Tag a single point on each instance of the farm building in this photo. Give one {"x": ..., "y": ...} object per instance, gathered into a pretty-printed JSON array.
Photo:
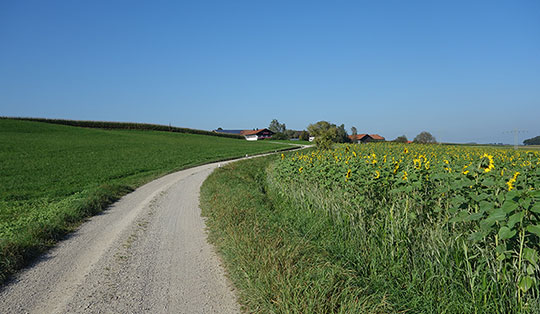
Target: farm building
[
  {"x": 366, "y": 138},
  {"x": 250, "y": 135},
  {"x": 377, "y": 137}
]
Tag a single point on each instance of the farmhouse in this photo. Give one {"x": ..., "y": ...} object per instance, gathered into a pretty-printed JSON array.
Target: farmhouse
[
  {"x": 366, "y": 138},
  {"x": 250, "y": 135}
]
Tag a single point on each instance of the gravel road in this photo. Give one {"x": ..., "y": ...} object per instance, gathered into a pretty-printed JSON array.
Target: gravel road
[{"x": 148, "y": 253}]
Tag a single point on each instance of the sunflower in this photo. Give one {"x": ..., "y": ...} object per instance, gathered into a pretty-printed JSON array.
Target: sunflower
[
  {"x": 511, "y": 182},
  {"x": 490, "y": 164},
  {"x": 404, "y": 178}
]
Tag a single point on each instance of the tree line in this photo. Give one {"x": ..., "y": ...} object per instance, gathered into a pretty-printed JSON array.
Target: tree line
[
  {"x": 327, "y": 133},
  {"x": 532, "y": 141}
]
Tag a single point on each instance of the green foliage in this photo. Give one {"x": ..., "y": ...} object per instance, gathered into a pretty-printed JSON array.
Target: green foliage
[
  {"x": 280, "y": 260},
  {"x": 532, "y": 141},
  {"x": 279, "y": 136},
  {"x": 324, "y": 141},
  {"x": 52, "y": 176},
  {"x": 382, "y": 228},
  {"x": 277, "y": 127},
  {"x": 327, "y": 133},
  {"x": 425, "y": 138},
  {"x": 401, "y": 139},
  {"x": 304, "y": 136},
  {"x": 441, "y": 229}
]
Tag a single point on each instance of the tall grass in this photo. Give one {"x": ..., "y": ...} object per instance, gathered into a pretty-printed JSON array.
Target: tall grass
[
  {"x": 451, "y": 240},
  {"x": 277, "y": 256},
  {"x": 296, "y": 243}
]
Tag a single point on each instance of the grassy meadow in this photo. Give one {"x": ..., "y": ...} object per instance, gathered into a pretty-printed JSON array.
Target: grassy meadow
[
  {"x": 381, "y": 228},
  {"x": 53, "y": 176},
  {"x": 298, "y": 142}
]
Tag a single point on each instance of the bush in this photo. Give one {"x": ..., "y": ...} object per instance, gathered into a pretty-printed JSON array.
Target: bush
[{"x": 279, "y": 136}]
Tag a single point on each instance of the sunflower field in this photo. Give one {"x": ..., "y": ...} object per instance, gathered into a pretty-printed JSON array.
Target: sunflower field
[{"x": 453, "y": 226}]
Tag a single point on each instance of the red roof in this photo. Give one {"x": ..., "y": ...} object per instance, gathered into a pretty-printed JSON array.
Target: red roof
[
  {"x": 252, "y": 132},
  {"x": 360, "y": 137},
  {"x": 377, "y": 137},
  {"x": 357, "y": 136}
]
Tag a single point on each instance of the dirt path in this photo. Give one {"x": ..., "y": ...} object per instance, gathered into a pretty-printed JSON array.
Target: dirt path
[{"x": 147, "y": 254}]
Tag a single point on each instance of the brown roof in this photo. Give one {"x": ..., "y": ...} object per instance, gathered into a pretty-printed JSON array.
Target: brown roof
[
  {"x": 376, "y": 137},
  {"x": 252, "y": 132},
  {"x": 357, "y": 136}
]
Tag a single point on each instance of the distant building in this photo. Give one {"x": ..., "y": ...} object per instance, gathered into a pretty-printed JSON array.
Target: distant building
[
  {"x": 377, "y": 137},
  {"x": 366, "y": 138},
  {"x": 250, "y": 135}
]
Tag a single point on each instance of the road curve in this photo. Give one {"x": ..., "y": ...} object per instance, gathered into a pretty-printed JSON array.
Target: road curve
[{"x": 148, "y": 253}]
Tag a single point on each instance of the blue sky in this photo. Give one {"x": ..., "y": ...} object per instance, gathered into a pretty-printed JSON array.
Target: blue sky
[{"x": 463, "y": 70}]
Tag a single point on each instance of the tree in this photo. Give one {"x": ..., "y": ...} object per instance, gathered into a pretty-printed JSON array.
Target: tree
[
  {"x": 327, "y": 133},
  {"x": 279, "y": 136},
  {"x": 401, "y": 139},
  {"x": 317, "y": 129},
  {"x": 277, "y": 127},
  {"x": 532, "y": 141},
  {"x": 304, "y": 136},
  {"x": 354, "y": 132},
  {"x": 290, "y": 134},
  {"x": 342, "y": 136},
  {"x": 425, "y": 138}
]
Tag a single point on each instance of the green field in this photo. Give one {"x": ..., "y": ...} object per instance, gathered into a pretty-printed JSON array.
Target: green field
[
  {"x": 381, "y": 228},
  {"x": 530, "y": 147},
  {"x": 299, "y": 142},
  {"x": 52, "y": 176}
]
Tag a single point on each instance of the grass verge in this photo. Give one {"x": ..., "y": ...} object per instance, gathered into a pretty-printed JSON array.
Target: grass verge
[{"x": 276, "y": 256}]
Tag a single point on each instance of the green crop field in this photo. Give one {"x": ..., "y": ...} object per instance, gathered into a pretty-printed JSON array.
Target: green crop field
[
  {"x": 381, "y": 228},
  {"x": 52, "y": 176}
]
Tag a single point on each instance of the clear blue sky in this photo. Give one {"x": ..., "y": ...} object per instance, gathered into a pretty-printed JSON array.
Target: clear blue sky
[{"x": 463, "y": 70}]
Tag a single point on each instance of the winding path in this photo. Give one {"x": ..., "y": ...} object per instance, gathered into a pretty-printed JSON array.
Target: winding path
[{"x": 148, "y": 253}]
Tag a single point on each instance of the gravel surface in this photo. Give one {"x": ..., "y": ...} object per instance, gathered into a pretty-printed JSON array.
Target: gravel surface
[{"x": 148, "y": 253}]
